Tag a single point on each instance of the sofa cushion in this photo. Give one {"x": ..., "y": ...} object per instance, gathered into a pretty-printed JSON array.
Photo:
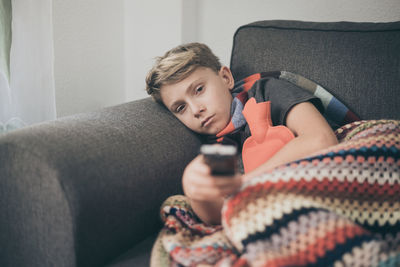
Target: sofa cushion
[{"x": 359, "y": 63}]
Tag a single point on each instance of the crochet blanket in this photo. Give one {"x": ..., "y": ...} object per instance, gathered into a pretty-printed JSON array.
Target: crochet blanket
[{"x": 338, "y": 207}]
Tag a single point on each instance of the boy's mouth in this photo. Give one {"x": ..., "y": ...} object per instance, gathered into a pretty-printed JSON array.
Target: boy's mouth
[{"x": 207, "y": 121}]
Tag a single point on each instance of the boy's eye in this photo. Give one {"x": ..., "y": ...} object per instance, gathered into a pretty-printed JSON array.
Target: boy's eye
[
  {"x": 180, "y": 108},
  {"x": 199, "y": 89}
]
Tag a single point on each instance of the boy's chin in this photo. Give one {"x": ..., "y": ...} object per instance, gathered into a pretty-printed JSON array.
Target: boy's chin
[
  {"x": 208, "y": 133},
  {"x": 214, "y": 131},
  {"x": 211, "y": 131}
]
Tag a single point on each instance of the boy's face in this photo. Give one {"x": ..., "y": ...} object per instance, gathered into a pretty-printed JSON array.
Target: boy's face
[{"x": 202, "y": 101}]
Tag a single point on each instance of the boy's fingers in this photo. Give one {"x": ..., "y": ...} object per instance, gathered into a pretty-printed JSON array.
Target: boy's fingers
[
  {"x": 216, "y": 181},
  {"x": 209, "y": 194},
  {"x": 199, "y": 166},
  {"x": 222, "y": 181},
  {"x": 201, "y": 169},
  {"x": 203, "y": 193},
  {"x": 209, "y": 190}
]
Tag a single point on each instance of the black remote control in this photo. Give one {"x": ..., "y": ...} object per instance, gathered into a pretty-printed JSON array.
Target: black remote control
[{"x": 222, "y": 159}]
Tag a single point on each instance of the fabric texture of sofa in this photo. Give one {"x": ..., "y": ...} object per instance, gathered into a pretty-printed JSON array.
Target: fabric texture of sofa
[{"x": 85, "y": 190}]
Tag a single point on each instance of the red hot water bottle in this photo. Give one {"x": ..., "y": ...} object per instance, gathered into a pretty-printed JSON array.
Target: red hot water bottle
[{"x": 265, "y": 139}]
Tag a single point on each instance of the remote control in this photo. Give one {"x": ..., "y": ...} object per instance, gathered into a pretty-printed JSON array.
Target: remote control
[{"x": 222, "y": 159}]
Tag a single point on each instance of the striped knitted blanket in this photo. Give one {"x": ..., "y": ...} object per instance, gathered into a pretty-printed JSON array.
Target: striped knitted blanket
[{"x": 338, "y": 207}]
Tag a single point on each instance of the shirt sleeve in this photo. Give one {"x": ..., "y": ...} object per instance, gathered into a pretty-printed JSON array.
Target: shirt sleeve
[{"x": 283, "y": 96}]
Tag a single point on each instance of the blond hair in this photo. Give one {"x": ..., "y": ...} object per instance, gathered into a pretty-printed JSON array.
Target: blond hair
[{"x": 177, "y": 64}]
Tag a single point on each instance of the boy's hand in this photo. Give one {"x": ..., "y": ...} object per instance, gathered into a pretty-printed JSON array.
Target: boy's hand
[{"x": 198, "y": 183}]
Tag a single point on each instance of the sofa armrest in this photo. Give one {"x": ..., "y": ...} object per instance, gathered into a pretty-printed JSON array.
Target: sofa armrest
[{"x": 80, "y": 190}]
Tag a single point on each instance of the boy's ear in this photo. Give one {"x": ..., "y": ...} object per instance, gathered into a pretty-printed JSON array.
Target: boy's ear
[{"x": 227, "y": 76}]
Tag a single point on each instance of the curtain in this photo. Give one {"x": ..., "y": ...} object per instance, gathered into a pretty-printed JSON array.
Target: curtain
[
  {"x": 5, "y": 45},
  {"x": 27, "y": 93}
]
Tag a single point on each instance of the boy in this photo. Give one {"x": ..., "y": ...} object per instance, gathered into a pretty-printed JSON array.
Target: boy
[{"x": 190, "y": 82}]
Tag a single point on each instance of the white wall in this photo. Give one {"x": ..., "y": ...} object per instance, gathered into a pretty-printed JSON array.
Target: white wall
[
  {"x": 88, "y": 54},
  {"x": 151, "y": 28},
  {"x": 103, "y": 49}
]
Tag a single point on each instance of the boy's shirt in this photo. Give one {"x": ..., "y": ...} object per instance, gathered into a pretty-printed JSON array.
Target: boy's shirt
[{"x": 282, "y": 96}]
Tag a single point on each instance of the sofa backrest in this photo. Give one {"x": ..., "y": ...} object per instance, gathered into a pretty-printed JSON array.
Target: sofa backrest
[{"x": 359, "y": 63}]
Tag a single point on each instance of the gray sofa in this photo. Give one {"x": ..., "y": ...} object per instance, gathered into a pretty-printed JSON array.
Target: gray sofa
[{"x": 85, "y": 190}]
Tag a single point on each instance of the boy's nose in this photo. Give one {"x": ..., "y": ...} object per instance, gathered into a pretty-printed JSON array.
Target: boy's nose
[{"x": 198, "y": 109}]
